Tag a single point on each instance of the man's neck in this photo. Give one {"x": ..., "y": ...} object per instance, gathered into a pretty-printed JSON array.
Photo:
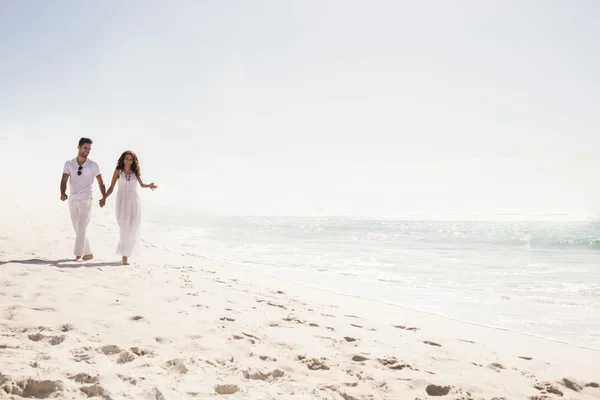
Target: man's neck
[{"x": 81, "y": 160}]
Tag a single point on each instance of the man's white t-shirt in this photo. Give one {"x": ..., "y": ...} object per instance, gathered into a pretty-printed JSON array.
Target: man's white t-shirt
[{"x": 81, "y": 185}]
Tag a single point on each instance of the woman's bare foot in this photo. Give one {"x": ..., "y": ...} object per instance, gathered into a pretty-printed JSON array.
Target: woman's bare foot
[
  {"x": 125, "y": 261},
  {"x": 88, "y": 257}
]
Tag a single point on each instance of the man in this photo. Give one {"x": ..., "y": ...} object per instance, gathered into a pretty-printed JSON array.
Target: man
[{"x": 81, "y": 171}]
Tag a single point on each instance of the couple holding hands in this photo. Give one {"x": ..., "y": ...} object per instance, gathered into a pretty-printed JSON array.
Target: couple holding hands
[{"x": 80, "y": 173}]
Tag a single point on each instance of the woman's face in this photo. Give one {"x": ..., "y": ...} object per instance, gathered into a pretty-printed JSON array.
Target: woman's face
[{"x": 128, "y": 160}]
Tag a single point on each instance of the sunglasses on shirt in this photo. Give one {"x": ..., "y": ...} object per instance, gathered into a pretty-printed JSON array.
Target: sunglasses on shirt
[{"x": 79, "y": 170}]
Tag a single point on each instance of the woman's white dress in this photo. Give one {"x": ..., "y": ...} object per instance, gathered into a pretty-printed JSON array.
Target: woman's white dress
[{"x": 129, "y": 215}]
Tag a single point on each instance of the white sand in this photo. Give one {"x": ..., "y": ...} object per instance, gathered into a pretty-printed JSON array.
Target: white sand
[{"x": 173, "y": 327}]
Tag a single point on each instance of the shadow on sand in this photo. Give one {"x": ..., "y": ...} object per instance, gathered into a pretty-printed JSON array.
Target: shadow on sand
[{"x": 64, "y": 263}]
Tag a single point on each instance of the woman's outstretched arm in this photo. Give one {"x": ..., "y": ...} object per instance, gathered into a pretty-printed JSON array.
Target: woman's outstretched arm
[{"x": 143, "y": 185}]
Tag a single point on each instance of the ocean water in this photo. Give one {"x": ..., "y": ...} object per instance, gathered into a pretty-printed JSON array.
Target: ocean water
[{"x": 540, "y": 277}]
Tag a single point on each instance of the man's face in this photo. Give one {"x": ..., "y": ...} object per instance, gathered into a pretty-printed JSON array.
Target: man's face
[{"x": 84, "y": 150}]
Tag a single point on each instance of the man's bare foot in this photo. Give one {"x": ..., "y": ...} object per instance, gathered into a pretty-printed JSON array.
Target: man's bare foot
[
  {"x": 125, "y": 261},
  {"x": 78, "y": 259},
  {"x": 88, "y": 257}
]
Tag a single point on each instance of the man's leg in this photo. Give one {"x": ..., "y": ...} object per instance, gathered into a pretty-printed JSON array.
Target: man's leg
[
  {"x": 74, "y": 211},
  {"x": 85, "y": 213},
  {"x": 80, "y": 216}
]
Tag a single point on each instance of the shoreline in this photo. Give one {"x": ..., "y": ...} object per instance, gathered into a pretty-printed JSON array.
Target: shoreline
[
  {"x": 383, "y": 302},
  {"x": 266, "y": 272}
]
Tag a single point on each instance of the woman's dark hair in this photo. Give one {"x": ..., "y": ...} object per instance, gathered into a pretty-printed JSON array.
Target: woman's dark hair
[{"x": 135, "y": 165}]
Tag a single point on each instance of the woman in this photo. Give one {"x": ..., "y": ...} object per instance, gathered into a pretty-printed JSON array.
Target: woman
[{"x": 128, "y": 208}]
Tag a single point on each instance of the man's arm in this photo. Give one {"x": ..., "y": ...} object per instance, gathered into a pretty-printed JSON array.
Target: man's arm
[
  {"x": 63, "y": 186},
  {"x": 101, "y": 184}
]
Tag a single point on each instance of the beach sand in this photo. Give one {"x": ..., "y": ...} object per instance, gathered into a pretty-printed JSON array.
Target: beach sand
[{"x": 171, "y": 326}]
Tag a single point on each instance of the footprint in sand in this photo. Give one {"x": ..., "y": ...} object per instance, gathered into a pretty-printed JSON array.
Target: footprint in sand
[
  {"x": 125, "y": 356},
  {"x": 571, "y": 384},
  {"x": 405, "y": 328},
  {"x": 526, "y": 374},
  {"x": 344, "y": 395},
  {"x": 251, "y": 337},
  {"x": 496, "y": 366},
  {"x": 32, "y": 388},
  {"x": 226, "y": 389},
  {"x": 393, "y": 363},
  {"x": 140, "y": 352},
  {"x": 263, "y": 376},
  {"x": 548, "y": 387},
  {"x": 432, "y": 343},
  {"x": 95, "y": 390},
  {"x": 11, "y": 312},
  {"x": 221, "y": 361},
  {"x": 82, "y": 354},
  {"x": 36, "y": 337},
  {"x": 269, "y": 303},
  {"x": 177, "y": 365},
  {"x": 360, "y": 375},
  {"x": 44, "y": 309},
  {"x": 84, "y": 378},
  {"x": 158, "y": 394},
  {"x": 129, "y": 379},
  {"x": 267, "y": 358},
  {"x": 110, "y": 349},
  {"x": 294, "y": 319},
  {"x": 313, "y": 363},
  {"x": 53, "y": 340},
  {"x": 436, "y": 390}
]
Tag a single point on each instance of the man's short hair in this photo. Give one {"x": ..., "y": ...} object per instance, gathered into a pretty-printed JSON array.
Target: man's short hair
[{"x": 84, "y": 140}]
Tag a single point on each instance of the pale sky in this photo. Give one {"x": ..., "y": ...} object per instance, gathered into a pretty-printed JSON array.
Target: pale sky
[{"x": 267, "y": 106}]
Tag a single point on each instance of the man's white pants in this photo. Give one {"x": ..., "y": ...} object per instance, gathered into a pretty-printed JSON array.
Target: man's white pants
[{"x": 81, "y": 211}]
